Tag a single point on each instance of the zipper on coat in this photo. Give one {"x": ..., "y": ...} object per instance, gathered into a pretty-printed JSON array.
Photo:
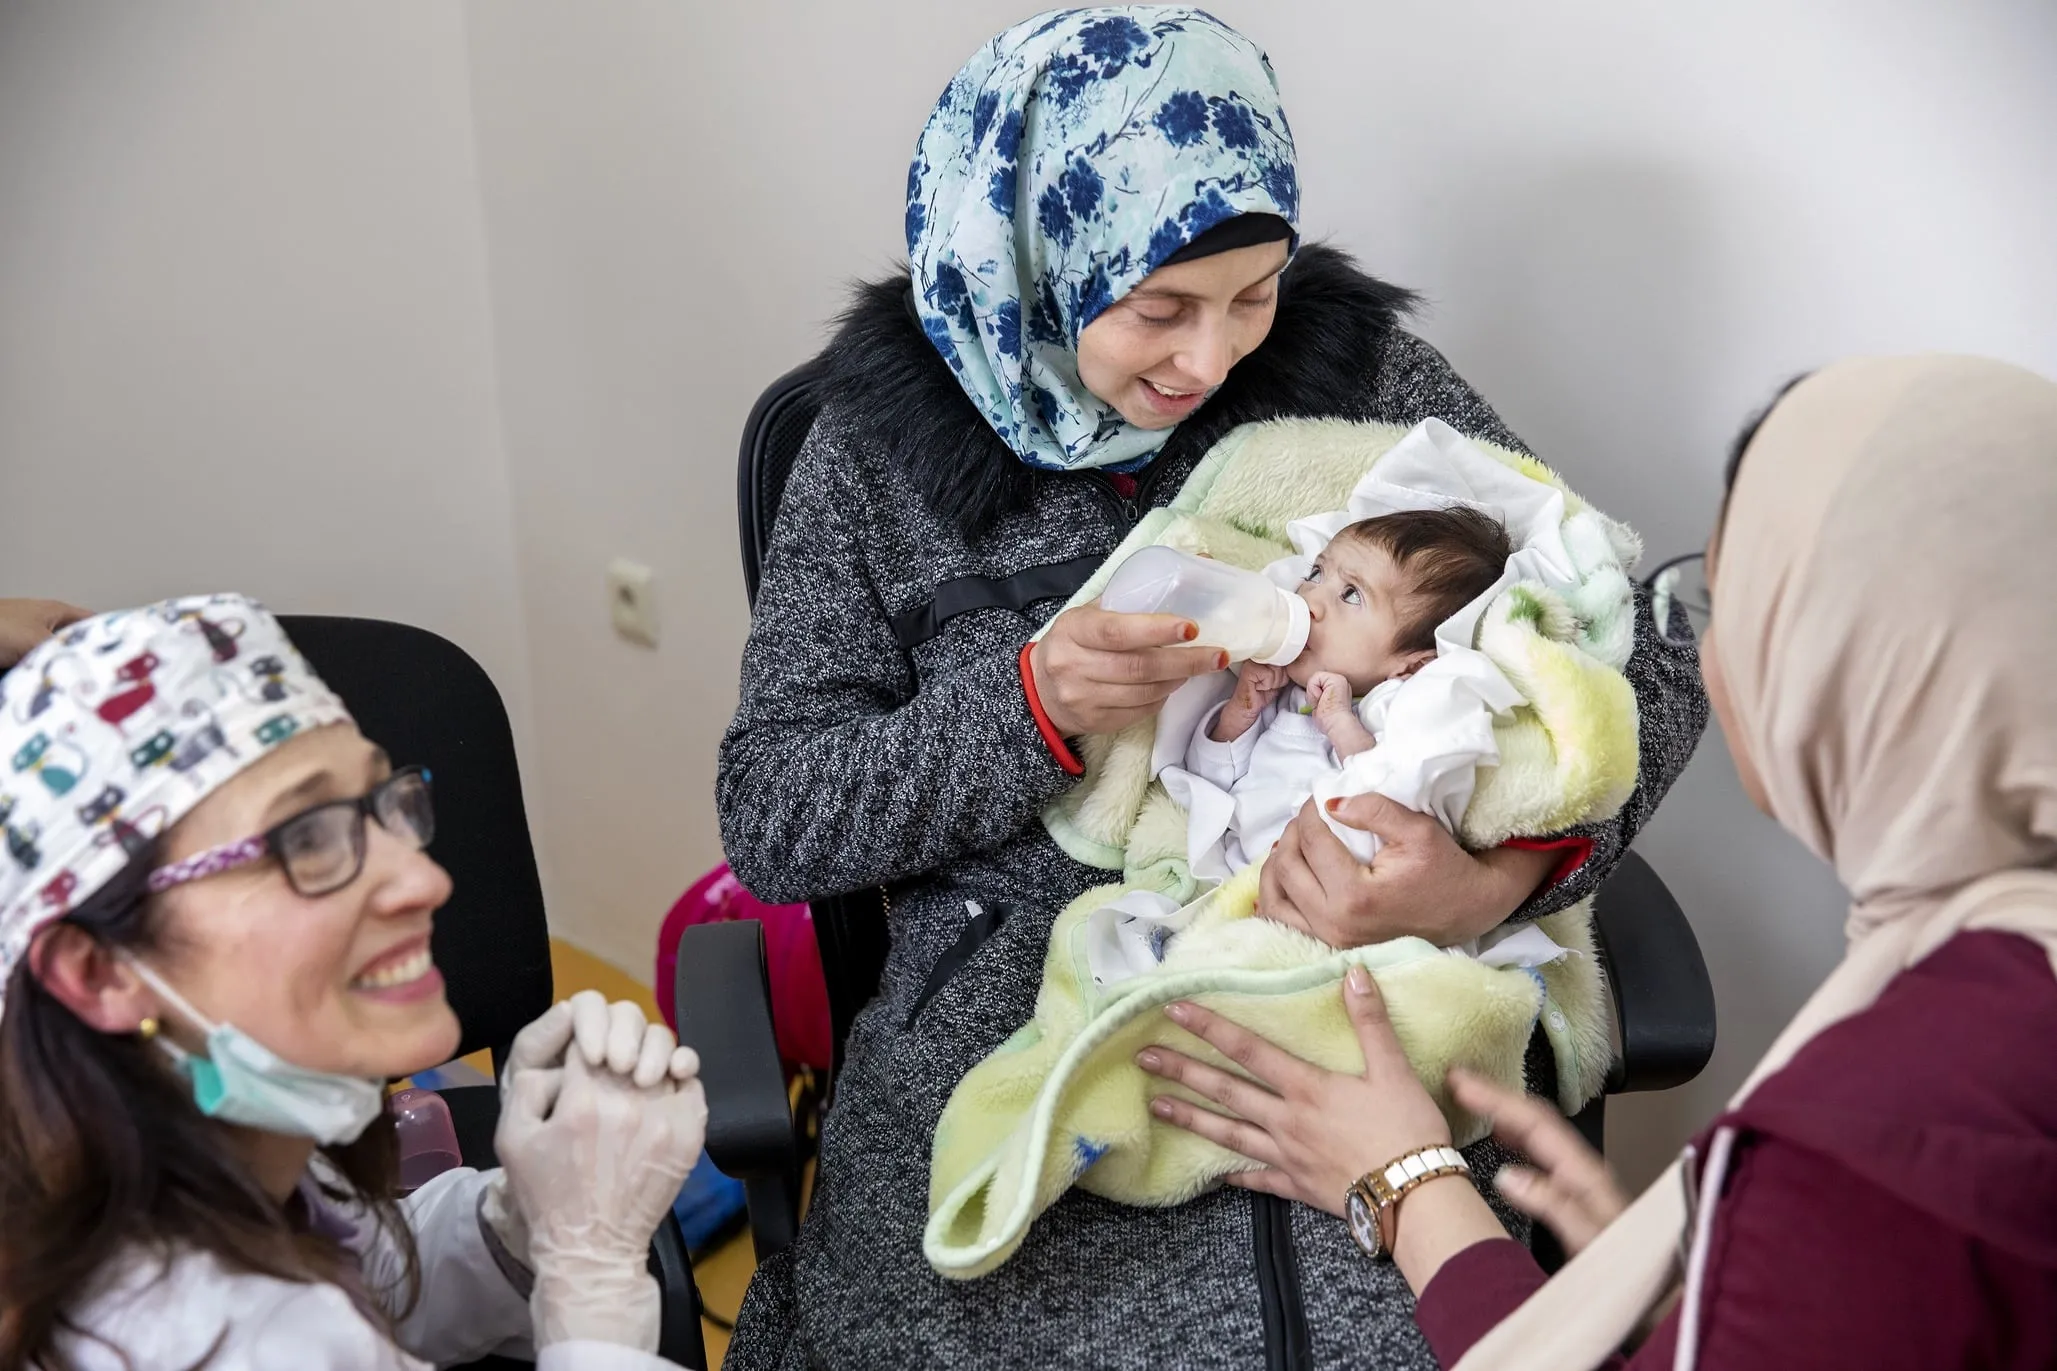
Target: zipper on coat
[
  {"x": 1146, "y": 482},
  {"x": 1129, "y": 507},
  {"x": 1132, "y": 508},
  {"x": 1278, "y": 1285}
]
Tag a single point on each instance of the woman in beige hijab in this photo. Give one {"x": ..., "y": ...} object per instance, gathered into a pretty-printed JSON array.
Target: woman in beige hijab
[{"x": 1882, "y": 1192}]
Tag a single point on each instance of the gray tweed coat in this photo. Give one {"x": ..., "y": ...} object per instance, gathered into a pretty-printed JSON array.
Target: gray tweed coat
[{"x": 883, "y": 740}]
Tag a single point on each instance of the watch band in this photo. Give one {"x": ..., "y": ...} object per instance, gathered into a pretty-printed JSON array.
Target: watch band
[{"x": 1371, "y": 1204}]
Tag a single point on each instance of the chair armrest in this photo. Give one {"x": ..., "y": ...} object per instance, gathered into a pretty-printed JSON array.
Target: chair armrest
[
  {"x": 723, "y": 1001},
  {"x": 1663, "y": 1000},
  {"x": 679, "y": 1337}
]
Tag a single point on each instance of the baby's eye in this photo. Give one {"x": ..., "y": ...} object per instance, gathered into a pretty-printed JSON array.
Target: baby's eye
[
  {"x": 1352, "y": 596},
  {"x": 1313, "y": 575}
]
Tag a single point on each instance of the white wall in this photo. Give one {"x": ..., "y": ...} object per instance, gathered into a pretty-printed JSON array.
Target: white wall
[
  {"x": 245, "y": 241},
  {"x": 245, "y": 341},
  {"x": 675, "y": 197}
]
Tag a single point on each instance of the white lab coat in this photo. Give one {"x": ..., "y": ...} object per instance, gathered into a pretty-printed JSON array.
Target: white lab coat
[{"x": 170, "y": 1315}]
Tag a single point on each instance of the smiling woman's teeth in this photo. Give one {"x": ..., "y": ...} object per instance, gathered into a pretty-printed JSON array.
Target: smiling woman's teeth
[
  {"x": 1167, "y": 393},
  {"x": 399, "y": 973}
]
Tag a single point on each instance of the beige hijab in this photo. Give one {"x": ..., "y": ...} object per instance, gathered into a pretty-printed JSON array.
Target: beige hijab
[{"x": 1885, "y": 611}]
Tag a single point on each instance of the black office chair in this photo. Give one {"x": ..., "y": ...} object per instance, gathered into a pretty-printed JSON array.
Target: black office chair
[
  {"x": 424, "y": 700},
  {"x": 1663, "y": 1000}
]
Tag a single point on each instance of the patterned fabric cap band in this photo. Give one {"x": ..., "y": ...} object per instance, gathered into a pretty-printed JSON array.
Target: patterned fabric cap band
[
  {"x": 116, "y": 728},
  {"x": 1071, "y": 157}
]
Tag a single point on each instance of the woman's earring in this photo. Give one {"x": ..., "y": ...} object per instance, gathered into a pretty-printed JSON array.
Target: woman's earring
[{"x": 147, "y": 1029}]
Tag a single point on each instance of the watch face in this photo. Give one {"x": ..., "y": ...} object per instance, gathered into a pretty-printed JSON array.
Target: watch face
[{"x": 1363, "y": 1222}]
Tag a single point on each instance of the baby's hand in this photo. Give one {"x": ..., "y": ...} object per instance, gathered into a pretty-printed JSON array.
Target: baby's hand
[
  {"x": 1259, "y": 684},
  {"x": 1328, "y": 695},
  {"x": 1256, "y": 687}
]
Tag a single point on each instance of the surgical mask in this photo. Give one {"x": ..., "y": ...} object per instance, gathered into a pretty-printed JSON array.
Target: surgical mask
[{"x": 242, "y": 1081}]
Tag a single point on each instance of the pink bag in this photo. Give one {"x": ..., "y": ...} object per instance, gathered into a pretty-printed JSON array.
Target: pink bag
[{"x": 799, "y": 994}]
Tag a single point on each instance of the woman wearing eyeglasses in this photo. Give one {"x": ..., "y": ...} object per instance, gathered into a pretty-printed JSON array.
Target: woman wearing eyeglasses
[
  {"x": 1881, "y": 650},
  {"x": 214, "y": 953}
]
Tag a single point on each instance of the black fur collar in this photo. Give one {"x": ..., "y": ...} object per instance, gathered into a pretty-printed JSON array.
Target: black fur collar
[{"x": 1318, "y": 361}]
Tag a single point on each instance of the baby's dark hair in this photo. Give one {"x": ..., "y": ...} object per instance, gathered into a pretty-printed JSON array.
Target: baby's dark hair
[{"x": 1451, "y": 556}]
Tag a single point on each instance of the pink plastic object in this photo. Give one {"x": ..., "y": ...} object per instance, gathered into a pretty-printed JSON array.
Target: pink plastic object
[
  {"x": 428, "y": 1139},
  {"x": 799, "y": 995}
]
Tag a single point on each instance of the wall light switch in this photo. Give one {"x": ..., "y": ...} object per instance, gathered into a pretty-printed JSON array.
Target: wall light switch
[{"x": 632, "y": 602}]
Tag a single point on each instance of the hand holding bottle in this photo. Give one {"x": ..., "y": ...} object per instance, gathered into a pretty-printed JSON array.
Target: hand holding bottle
[
  {"x": 1098, "y": 672},
  {"x": 1103, "y": 667}
]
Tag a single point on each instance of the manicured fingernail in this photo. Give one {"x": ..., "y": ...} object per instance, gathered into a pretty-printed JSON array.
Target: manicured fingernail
[
  {"x": 1189, "y": 632},
  {"x": 1359, "y": 981},
  {"x": 1509, "y": 1181},
  {"x": 1148, "y": 1059},
  {"x": 1161, "y": 1108},
  {"x": 1334, "y": 806},
  {"x": 1221, "y": 662},
  {"x": 1179, "y": 1012}
]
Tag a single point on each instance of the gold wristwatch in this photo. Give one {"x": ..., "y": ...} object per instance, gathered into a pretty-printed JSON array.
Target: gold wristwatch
[{"x": 1370, "y": 1204}]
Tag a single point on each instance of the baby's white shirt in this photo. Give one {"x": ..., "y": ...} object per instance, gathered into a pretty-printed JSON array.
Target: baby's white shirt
[{"x": 1240, "y": 795}]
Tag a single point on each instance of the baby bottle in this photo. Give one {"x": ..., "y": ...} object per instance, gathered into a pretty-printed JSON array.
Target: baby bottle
[{"x": 1237, "y": 610}]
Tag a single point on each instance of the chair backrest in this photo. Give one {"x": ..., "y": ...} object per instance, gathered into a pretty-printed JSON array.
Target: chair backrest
[
  {"x": 851, "y": 929},
  {"x": 772, "y": 438},
  {"x": 423, "y": 699}
]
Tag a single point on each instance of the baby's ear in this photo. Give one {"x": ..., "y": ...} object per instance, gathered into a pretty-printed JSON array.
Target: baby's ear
[{"x": 1415, "y": 661}]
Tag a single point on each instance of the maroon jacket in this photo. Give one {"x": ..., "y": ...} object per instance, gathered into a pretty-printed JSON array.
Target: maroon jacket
[{"x": 1893, "y": 1197}]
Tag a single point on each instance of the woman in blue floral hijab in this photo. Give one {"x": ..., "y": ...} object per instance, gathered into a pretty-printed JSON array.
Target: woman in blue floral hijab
[
  {"x": 1074, "y": 155},
  {"x": 1105, "y": 277}
]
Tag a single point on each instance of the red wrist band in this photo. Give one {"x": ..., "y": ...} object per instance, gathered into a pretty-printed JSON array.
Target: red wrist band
[
  {"x": 1052, "y": 739},
  {"x": 1573, "y": 853}
]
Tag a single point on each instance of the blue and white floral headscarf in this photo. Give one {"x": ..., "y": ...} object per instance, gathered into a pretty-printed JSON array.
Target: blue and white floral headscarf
[{"x": 1067, "y": 160}]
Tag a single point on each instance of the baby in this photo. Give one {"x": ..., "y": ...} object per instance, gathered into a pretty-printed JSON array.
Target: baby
[{"x": 1375, "y": 597}]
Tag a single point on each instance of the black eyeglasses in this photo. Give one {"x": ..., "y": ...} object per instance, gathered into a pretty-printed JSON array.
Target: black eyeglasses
[
  {"x": 1680, "y": 599},
  {"x": 321, "y": 849}
]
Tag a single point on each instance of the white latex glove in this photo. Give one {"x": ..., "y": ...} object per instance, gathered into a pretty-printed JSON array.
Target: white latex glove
[
  {"x": 617, "y": 1037},
  {"x": 593, "y": 1162},
  {"x": 604, "y": 1033},
  {"x": 540, "y": 1046}
]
